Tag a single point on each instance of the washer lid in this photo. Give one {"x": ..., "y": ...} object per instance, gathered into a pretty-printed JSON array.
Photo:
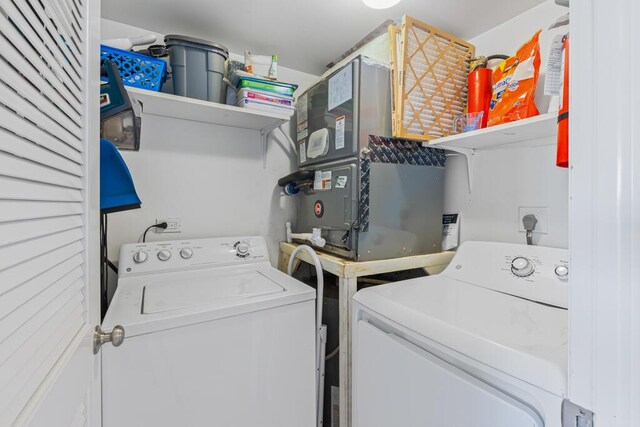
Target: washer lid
[
  {"x": 525, "y": 339},
  {"x": 166, "y": 295},
  {"x": 150, "y": 303}
]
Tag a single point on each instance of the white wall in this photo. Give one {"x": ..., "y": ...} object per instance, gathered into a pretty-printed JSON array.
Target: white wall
[
  {"x": 113, "y": 29},
  {"x": 507, "y": 178},
  {"x": 211, "y": 177}
]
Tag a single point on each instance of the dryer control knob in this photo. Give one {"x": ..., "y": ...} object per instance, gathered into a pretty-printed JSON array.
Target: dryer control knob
[
  {"x": 522, "y": 267},
  {"x": 140, "y": 257},
  {"x": 562, "y": 271},
  {"x": 164, "y": 254},
  {"x": 242, "y": 249},
  {"x": 186, "y": 253}
]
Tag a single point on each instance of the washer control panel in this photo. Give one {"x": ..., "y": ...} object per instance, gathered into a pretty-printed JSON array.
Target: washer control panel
[
  {"x": 242, "y": 248},
  {"x": 522, "y": 267},
  {"x": 154, "y": 257},
  {"x": 535, "y": 273}
]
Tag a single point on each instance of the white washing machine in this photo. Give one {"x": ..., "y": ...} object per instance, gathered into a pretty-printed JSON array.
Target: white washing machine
[
  {"x": 215, "y": 336},
  {"x": 483, "y": 344}
]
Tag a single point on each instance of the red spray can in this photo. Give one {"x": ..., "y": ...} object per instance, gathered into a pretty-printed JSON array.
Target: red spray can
[
  {"x": 480, "y": 90},
  {"x": 480, "y": 81}
]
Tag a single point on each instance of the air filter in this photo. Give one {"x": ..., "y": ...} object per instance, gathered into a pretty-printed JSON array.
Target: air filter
[{"x": 429, "y": 79}]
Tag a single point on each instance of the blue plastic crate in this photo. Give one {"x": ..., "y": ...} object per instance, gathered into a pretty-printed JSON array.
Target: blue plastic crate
[{"x": 136, "y": 70}]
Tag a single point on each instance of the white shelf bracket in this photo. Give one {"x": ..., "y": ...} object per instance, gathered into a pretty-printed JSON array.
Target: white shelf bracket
[
  {"x": 469, "y": 154},
  {"x": 264, "y": 136}
]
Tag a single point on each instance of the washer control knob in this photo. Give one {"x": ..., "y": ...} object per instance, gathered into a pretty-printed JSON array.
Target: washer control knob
[
  {"x": 522, "y": 267},
  {"x": 242, "y": 249},
  {"x": 164, "y": 254},
  {"x": 562, "y": 271},
  {"x": 186, "y": 253},
  {"x": 140, "y": 257}
]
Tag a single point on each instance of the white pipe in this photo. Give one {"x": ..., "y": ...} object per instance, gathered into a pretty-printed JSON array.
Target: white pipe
[
  {"x": 288, "y": 138},
  {"x": 323, "y": 351},
  {"x": 315, "y": 237},
  {"x": 320, "y": 336}
]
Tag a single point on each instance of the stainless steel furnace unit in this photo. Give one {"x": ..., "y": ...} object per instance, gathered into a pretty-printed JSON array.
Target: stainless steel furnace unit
[{"x": 373, "y": 196}]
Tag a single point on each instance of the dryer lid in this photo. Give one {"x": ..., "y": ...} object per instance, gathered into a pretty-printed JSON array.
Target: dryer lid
[
  {"x": 522, "y": 338},
  {"x": 167, "y": 295}
]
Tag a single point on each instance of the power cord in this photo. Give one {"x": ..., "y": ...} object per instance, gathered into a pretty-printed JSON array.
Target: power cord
[
  {"x": 162, "y": 225},
  {"x": 112, "y": 265}
]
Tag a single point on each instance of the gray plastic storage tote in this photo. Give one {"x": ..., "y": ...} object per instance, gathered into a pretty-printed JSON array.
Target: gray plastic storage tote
[{"x": 197, "y": 67}]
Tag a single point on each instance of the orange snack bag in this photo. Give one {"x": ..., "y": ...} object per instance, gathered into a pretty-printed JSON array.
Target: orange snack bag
[{"x": 514, "y": 87}]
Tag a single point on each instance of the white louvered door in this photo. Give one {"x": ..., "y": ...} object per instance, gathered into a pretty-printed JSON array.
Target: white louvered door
[{"x": 49, "y": 212}]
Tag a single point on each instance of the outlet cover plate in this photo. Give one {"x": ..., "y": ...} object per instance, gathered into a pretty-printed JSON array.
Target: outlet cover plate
[
  {"x": 174, "y": 225},
  {"x": 541, "y": 212}
]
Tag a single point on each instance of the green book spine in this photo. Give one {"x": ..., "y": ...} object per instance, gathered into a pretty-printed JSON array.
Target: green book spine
[{"x": 265, "y": 86}]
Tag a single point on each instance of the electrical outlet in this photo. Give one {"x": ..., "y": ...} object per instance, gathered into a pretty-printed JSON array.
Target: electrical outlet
[
  {"x": 541, "y": 214},
  {"x": 173, "y": 225}
]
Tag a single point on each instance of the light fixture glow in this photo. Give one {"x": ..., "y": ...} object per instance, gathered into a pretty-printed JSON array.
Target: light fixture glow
[{"x": 380, "y": 4}]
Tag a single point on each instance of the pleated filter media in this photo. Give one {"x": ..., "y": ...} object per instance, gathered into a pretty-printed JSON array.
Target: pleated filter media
[{"x": 429, "y": 72}]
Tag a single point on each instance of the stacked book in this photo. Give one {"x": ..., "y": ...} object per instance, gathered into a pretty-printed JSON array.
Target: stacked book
[{"x": 266, "y": 95}]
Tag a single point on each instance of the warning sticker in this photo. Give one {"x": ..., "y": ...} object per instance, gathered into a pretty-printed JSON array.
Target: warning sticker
[
  {"x": 553, "y": 77},
  {"x": 341, "y": 181},
  {"x": 340, "y": 121},
  {"x": 322, "y": 180},
  {"x": 450, "y": 230},
  {"x": 303, "y": 152},
  {"x": 302, "y": 134},
  {"x": 340, "y": 87},
  {"x": 301, "y": 109}
]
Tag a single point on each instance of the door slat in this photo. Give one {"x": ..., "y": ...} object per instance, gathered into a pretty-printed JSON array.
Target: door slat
[
  {"x": 23, "y": 87},
  {"x": 20, "y": 210},
  {"x": 27, "y": 110},
  {"x": 12, "y": 278},
  {"x": 13, "y": 233},
  {"x": 26, "y": 129},
  {"x": 32, "y": 370},
  {"x": 44, "y": 79},
  {"x": 13, "y": 299},
  {"x": 52, "y": 28},
  {"x": 21, "y": 190},
  {"x": 35, "y": 49},
  {"x": 16, "y": 167},
  {"x": 21, "y": 18},
  {"x": 13, "y": 144},
  {"x": 23, "y": 251}
]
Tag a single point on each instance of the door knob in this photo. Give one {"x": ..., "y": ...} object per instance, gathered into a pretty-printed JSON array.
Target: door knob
[{"x": 116, "y": 337}]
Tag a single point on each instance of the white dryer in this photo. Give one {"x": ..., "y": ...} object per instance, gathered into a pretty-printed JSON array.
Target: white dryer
[
  {"x": 214, "y": 335},
  {"x": 483, "y": 344}
]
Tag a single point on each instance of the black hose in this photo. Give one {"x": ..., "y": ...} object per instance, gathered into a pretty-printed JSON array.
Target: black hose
[{"x": 492, "y": 57}]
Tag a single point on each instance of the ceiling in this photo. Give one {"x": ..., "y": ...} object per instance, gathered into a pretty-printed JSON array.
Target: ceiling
[{"x": 305, "y": 34}]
